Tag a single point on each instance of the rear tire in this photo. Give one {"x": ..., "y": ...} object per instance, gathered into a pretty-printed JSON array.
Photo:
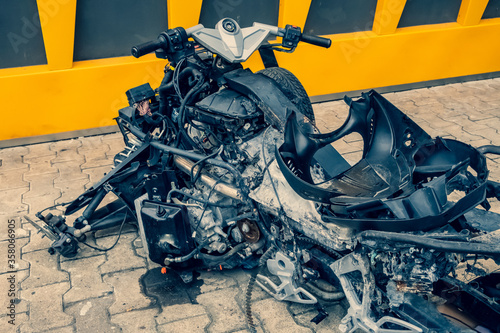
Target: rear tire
[{"x": 291, "y": 87}]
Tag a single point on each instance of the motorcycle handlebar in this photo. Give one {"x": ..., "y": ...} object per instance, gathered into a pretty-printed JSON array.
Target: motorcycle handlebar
[
  {"x": 145, "y": 48},
  {"x": 316, "y": 40}
]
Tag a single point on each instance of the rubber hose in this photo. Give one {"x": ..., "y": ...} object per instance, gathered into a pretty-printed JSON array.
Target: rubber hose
[
  {"x": 225, "y": 256},
  {"x": 187, "y": 256},
  {"x": 324, "y": 295}
]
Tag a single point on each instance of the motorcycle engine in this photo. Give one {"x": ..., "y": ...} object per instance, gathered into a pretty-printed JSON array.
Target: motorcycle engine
[{"x": 225, "y": 118}]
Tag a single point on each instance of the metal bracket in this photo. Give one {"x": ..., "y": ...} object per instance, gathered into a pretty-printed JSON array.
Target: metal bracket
[
  {"x": 284, "y": 268},
  {"x": 359, "y": 314}
]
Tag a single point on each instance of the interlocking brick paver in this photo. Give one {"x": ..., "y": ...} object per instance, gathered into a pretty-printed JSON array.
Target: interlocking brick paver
[
  {"x": 96, "y": 174},
  {"x": 127, "y": 291},
  {"x": 12, "y": 158},
  {"x": 122, "y": 257},
  {"x": 86, "y": 281},
  {"x": 91, "y": 143},
  {"x": 178, "y": 312},
  {"x": 10, "y": 285},
  {"x": 96, "y": 160},
  {"x": 469, "y": 125},
  {"x": 38, "y": 203},
  {"x": 215, "y": 280},
  {"x": 70, "y": 190},
  {"x": 12, "y": 179},
  {"x": 275, "y": 317},
  {"x": 39, "y": 152},
  {"x": 11, "y": 202},
  {"x": 193, "y": 324},
  {"x": 66, "y": 151},
  {"x": 42, "y": 192},
  {"x": 19, "y": 264},
  {"x": 46, "y": 307},
  {"x": 242, "y": 277},
  {"x": 115, "y": 143},
  {"x": 223, "y": 309},
  {"x": 69, "y": 171},
  {"x": 39, "y": 161},
  {"x": 91, "y": 315},
  {"x": 18, "y": 323},
  {"x": 330, "y": 324},
  {"x": 44, "y": 270},
  {"x": 12, "y": 223},
  {"x": 137, "y": 321}
]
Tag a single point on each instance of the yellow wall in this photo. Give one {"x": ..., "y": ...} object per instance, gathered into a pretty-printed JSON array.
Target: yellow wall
[{"x": 66, "y": 96}]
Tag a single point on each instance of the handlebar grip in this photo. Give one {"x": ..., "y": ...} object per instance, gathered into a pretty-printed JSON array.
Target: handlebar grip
[
  {"x": 316, "y": 40},
  {"x": 145, "y": 48}
]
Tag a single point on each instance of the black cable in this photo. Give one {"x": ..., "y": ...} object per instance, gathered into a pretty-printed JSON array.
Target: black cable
[
  {"x": 204, "y": 129},
  {"x": 460, "y": 321},
  {"x": 182, "y": 110},
  {"x": 56, "y": 205},
  {"x": 116, "y": 241},
  {"x": 194, "y": 178}
]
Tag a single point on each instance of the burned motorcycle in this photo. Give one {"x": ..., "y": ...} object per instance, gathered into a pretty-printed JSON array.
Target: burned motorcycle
[{"x": 225, "y": 168}]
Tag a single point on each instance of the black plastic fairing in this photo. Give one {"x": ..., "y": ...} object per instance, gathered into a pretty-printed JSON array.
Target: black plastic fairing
[{"x": 401, "y": 182}]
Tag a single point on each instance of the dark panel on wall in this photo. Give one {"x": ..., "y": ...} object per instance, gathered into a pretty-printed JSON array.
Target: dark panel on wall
[
  {"x": 21, "y": 40},
  {"x": 340, "y": 16},
  {"x": 110, "y": 28},
  {"x": 245, "y": 12},
  {"x": 421, "y": 12},
  {"x": 492, "y": 9}
]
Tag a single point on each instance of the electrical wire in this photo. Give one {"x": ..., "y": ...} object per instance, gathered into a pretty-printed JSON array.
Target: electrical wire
[
  {"x": 194, "y": 177},
  {"x": 176, "y": 77},
  {"x": 56, "y": 205},
  {"x": 116, "y": 241}
]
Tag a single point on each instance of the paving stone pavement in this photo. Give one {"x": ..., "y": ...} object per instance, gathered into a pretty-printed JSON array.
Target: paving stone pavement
[{"x": 103, "y": 292}]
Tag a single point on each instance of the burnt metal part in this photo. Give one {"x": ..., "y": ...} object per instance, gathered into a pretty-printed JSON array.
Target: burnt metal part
[
  {"x": 420, "y": 312},
  {"x": 477, "y": 294},
  {"x": 480, "y": 298},
  {"x": 249, "y": 229},
  {"x": 227, "y": 103},
  {"x": 284, "y": 268},
  {"x": 265, "y": 90},
  {"x": 359, "y": 314},
  {"x": 187, "y": 154},
  {"x": 381, "y": 239},
  {"x": 403, "y": 179}
]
